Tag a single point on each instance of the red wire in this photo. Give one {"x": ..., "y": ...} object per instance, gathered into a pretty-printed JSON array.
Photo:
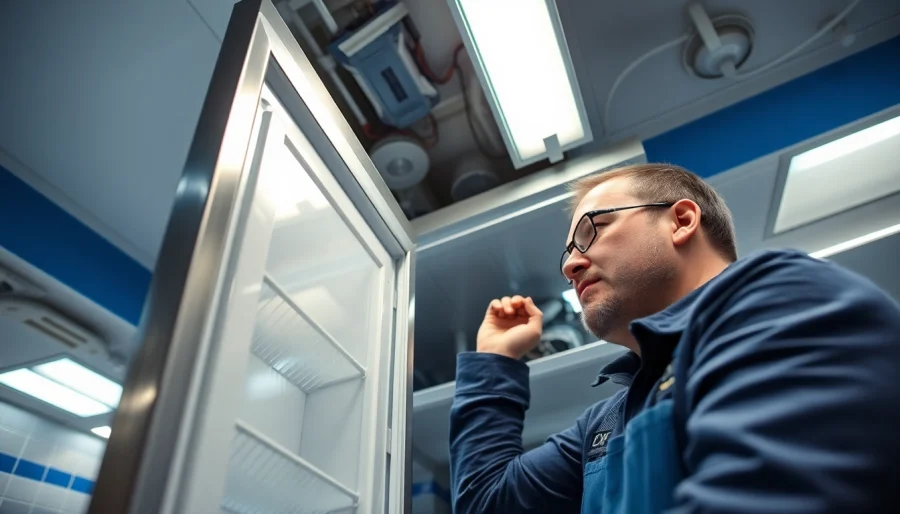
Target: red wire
[{"x": 447, "y": 75}]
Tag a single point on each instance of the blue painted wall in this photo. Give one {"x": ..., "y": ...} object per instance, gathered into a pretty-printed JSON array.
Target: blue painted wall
[
  {"x": 856, "y": 87},
  {"x": 40, "y": 232}
]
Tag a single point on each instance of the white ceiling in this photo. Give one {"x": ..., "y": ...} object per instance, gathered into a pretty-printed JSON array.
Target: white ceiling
[
  {"x": 605, "y": 37},
  {"x": 103, "y": 107}
]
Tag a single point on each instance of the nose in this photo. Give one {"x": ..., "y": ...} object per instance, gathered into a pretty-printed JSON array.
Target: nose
[{"x": 575, "y": 264}]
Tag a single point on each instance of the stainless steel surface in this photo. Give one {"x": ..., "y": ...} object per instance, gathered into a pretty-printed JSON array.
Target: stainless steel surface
[
  {"x": 303, "y": 78},
  {"x": 400, "y": 494},
  {"x": 151, "y": 413},
  {"x": 155, "y": 414}
]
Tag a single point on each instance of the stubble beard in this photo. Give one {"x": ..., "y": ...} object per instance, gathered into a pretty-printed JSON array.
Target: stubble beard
[{"x": 635, "y": 293}]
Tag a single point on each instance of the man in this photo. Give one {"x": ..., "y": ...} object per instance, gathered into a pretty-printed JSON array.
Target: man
[{"x": 760, "y": 385}]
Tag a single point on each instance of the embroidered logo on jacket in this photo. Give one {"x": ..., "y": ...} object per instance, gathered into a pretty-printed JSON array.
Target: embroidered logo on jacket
[{"x": 598, "y": 444}]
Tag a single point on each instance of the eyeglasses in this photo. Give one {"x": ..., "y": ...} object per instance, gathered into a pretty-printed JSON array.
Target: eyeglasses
[{"x": 586, "y": 231}]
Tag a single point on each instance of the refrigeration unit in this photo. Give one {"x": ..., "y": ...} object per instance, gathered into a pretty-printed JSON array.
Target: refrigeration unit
[{"x": 274, "y": 372}]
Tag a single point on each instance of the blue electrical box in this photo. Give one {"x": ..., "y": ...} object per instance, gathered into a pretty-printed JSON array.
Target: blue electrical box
[{"x": 377, "y": 57}]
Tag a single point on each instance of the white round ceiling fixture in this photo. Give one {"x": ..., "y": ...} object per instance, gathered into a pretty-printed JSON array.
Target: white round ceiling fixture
[
  {"x": 401, "y": 160},
  {"x": 735, "y": 34}
]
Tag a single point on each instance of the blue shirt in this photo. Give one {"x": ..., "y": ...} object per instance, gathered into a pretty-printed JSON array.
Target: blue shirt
[{"x": 775, "y": 387}]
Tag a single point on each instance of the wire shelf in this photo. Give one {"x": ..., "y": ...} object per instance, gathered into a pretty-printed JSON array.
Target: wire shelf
[
  {"x": 297, "y": 347},
  {"x": 265, "y": 477}
]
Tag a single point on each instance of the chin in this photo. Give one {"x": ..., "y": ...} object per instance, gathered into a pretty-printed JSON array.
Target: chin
[{"x": 599, "y": 315}]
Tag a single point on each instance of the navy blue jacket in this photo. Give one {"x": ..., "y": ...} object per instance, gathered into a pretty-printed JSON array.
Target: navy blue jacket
[{"x": 775, "y": 387}]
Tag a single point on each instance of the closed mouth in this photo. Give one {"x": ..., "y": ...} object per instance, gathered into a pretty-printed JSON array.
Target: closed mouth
[{"x": 584, "y": 285}]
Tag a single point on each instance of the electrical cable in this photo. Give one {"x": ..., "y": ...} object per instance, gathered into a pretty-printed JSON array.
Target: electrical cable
[
  {"x": 824, "y": 30},
  {"x": 628, "y": 69},
  {"x": 448, "y": 73},
  {"x": 605, "y": 122},
  {"x": 454, "y": 69}
]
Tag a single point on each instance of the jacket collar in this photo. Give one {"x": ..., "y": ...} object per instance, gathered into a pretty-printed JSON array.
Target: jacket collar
[
  {"x": 658, "y": 334},
  {"x": 621, "y": 370}
]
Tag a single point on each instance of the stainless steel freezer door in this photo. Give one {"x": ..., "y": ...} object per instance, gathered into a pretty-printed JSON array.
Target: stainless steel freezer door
[{"x": 230, "y": 273}]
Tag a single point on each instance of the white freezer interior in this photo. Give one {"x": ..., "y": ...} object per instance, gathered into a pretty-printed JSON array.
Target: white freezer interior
[{"x": 308, "y": 416}]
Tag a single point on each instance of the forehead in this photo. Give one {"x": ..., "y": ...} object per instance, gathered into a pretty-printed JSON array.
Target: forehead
[{"x": 615, "y": 192}]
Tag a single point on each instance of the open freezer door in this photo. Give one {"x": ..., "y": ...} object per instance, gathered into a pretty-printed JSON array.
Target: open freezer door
[{"x": 275, "y": 374}]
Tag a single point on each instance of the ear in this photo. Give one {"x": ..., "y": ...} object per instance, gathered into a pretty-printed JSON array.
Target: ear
[{"x": 685, "y": 221}]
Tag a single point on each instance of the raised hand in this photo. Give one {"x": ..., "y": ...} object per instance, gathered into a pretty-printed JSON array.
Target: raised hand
[{"x": 512, "y": 327}]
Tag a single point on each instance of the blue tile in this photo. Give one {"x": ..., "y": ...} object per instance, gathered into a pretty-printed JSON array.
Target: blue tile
[
  {"x": 27, "y": 469},
  {"x": 7, "y": 462},
  {"x": 83, "y": 485},
  {"x": 57, "y": 477}
]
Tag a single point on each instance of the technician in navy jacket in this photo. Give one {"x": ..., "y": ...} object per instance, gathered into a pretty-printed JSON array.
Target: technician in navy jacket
[{"x": 769, "y": 384}]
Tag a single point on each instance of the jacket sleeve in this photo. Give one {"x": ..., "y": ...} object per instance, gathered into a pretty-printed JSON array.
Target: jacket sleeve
[
  {"x": 793, "y": 396},
  {"x": 489, "y": 470}
]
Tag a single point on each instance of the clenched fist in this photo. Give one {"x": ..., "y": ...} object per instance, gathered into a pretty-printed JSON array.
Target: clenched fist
[{"x": 511, "y": 327}]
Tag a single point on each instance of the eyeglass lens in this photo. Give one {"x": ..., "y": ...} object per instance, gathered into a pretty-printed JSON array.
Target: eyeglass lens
[{"x": 582, "y": 238}]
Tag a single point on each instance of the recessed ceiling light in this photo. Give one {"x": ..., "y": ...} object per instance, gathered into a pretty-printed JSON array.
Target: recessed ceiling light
[
  {"x": 571, "y": 297},
  {"x": 856, "y": 242},
  {"x": 520, "y": 54},
  {"x": 840, "y": 175},
  {"x": 77, "y": 377},
  {"x": 103, "y": 432},
  {"x": 44, "y": 389}
]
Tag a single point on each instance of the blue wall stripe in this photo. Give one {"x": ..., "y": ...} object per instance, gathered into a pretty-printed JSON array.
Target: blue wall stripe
[
  {"x": 57, "y": 477},
  {"x": 28, "y": 469},
  {"x": 43, "y": 234},
  {"x": 830, "y": 97},
  {"x": 34, "y": 471},
  {"x": 83, "y": 485},
  {"x": 7, "y": 462}
]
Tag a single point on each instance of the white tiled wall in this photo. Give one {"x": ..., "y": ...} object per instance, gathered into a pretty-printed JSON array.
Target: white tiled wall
[{"x": 26, "y": 436}]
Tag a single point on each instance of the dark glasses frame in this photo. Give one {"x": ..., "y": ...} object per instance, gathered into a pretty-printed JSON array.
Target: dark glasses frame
[{"x": 591, "y": 215}]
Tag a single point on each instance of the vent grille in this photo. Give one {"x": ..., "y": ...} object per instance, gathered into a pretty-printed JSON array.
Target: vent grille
[{"x": 55, "y": 325}]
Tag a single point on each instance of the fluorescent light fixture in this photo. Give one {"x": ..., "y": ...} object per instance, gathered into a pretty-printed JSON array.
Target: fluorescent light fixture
[
  {"x": 103, "y": 432},
  {"x": 840, "y": 175},
  {"x": 520, "y": 55},
  {"x": 77, "y": 377},
  {"x": 856, "y": 242},
  {"x": 571, "y": 297},
  {"x": 847, "y": 145},
  {"x": 44, "y": 389}
]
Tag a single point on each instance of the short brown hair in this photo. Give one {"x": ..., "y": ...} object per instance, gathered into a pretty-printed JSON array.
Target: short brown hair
[{"x": 659, "y": 182}]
